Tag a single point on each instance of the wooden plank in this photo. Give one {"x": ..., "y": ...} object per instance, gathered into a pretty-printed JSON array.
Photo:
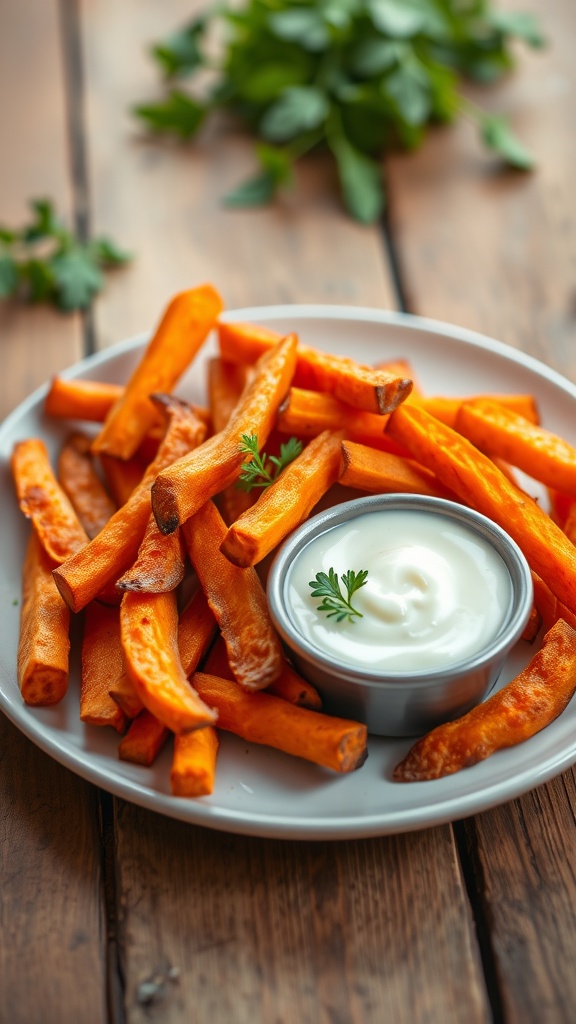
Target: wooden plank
[
  {"x": 51, "y": 950},
  {"x": 221, "y": 927},
  {"x": 497, "y": 252},
  {"x": 527, "y": 883},
  {"x": 490, "y": 249},
  {"x": 234, "y": 928}
]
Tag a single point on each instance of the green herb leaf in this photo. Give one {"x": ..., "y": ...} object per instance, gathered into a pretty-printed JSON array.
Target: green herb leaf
[
  {"x": 408, "y": 86},
  {"x": 179, "y": 114},
  {"x": 333, "y": 602},
  {"x": 77, "y": 278},
  {"x": 43, "y": 262},
  {"x": 276, "y": 171},
  {"x": 397, "y": 18},
  {"x": 8, "y": 275},
  {"x": 256, "y": 473},
  {"x": 497, "y": 135},
  {"x": 179, "y": 54},
  {"x": 360, "y": 179},
  {"x": 302, "y": 25},
  {"x": 521, "y": 24},
  {"x": 299, "y": 109}
]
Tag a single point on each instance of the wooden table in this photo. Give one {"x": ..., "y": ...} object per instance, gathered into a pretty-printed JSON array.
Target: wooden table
[{"x": 470, "y": 922}]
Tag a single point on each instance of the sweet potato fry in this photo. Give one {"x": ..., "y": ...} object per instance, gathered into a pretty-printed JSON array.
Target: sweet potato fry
[
  {"x": 477, "y": 481},
  {"x": 446, "y": 409},
  {"x": 289, "y": 686},
  {"x": 382, "y": 472},
  {"x": 107, "y": 557},
  {"x": 194, "y": 762},
  {"x": 81, "y": 483},
  {"x": 226, "y": 381},
  {"x": 159, "y": 565},
  {"x": 149, "y": 629},
  {"x": 286, "y": 503},
  {"x": 180, "y": 490},
  {"x": 237, "y": 600},
  {"x": 364, "y": 387},
  {"x": 499, "y": 431},
  {"x": 88, "y": 400},
  {"x": 123, "y": 693},
  {"x": 101, "y": 665},
  {"x": 184, "y": 326},
  {"x": 144, "y": 740},
  {"x": 518, "y": 711},
  {"x": 44, "y": 502},
  {"x": 122, "y": 476},
  {"x": 44, "y": 643},
  {"x": 306, "y": 413},
  {"x": 335, "y": 743},
  {"x": 196, "y": 630}
]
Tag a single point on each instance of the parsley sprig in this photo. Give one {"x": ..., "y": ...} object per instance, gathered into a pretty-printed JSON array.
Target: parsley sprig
[
  {"x": 257, "y": 472},
  {"x": 44, "y": 262},
  {"x": 357, "y": 77},
  {"x": 327, "y": 586}
]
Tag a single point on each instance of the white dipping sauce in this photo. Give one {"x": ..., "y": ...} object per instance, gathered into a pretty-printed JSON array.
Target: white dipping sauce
[{"x": 436, "y": 592}]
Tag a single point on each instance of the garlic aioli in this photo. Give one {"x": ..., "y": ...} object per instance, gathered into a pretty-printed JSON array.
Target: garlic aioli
[{"x": 436, "y": 592}]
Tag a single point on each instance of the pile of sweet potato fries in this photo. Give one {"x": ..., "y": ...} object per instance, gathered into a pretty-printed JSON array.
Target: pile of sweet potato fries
[{"x": 131, "y": 515}]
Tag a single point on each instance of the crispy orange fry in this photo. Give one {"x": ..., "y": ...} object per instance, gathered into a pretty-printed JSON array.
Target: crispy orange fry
[
  {"x": 518, "y": 711},
  {"x": 184, "y": 326},
  {"x": 44, "y": 643},
  {"x": 123, "y": 693},
  {"x": 81, "y": 399},
  {"x": 335, "y": 743},
  {"x": 122, "y": 476},
  {"x": 536, "y": 451},
  {"x": 194, "y": 763},
  {"x": 446, "y": 409},
  {"x": 80, "y": 481},
  {"x": 144, "y": 740},
  {"x": 196, "y": 630},
  {"x": 533, "y": 626},
  {"x": 101, "y": 664},
  {"x": 289, "y": 686},
  {"x": 306, "y": 413},
  {"x": 364, "y": 387},
  {"x": 226, "y": 382},
  {"x": 159, "y": 565},
  {"x": 286, "y": 503},
  {"x": 237, "y": 600},
  {"x": 106, "y": 557},
  {"x": 477, "y": 481},
  {"x": 44, "y": 502},
  {"x": 180, "y": 490},
  {"x": 149, "y": 628},
  {"x": 383, "y": 472}
]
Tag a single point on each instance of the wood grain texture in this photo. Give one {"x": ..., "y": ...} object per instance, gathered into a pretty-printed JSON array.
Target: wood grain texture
[
  {"x": 496, "y": 251},
  {"x": 220, "y": 927},
  {"x": 526, "y": 878},
  {"x": 491, "y": 249},
  {"x": 162, "y": 200},
  {"x": 35, "y": 342},
  {"x": 52, "y": 946}
]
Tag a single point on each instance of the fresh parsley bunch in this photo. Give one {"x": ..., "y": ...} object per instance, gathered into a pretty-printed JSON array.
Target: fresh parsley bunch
[
  {"x": 43, "y": 262},
  {"x": 359, "y": 77}
]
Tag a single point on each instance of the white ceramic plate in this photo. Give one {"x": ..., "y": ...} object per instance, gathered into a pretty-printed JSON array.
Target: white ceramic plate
[{"x": 261, "y": 791}]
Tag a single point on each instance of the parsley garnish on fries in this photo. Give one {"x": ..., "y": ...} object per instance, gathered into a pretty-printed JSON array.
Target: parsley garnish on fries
[{"x": 256, "y": 472}]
